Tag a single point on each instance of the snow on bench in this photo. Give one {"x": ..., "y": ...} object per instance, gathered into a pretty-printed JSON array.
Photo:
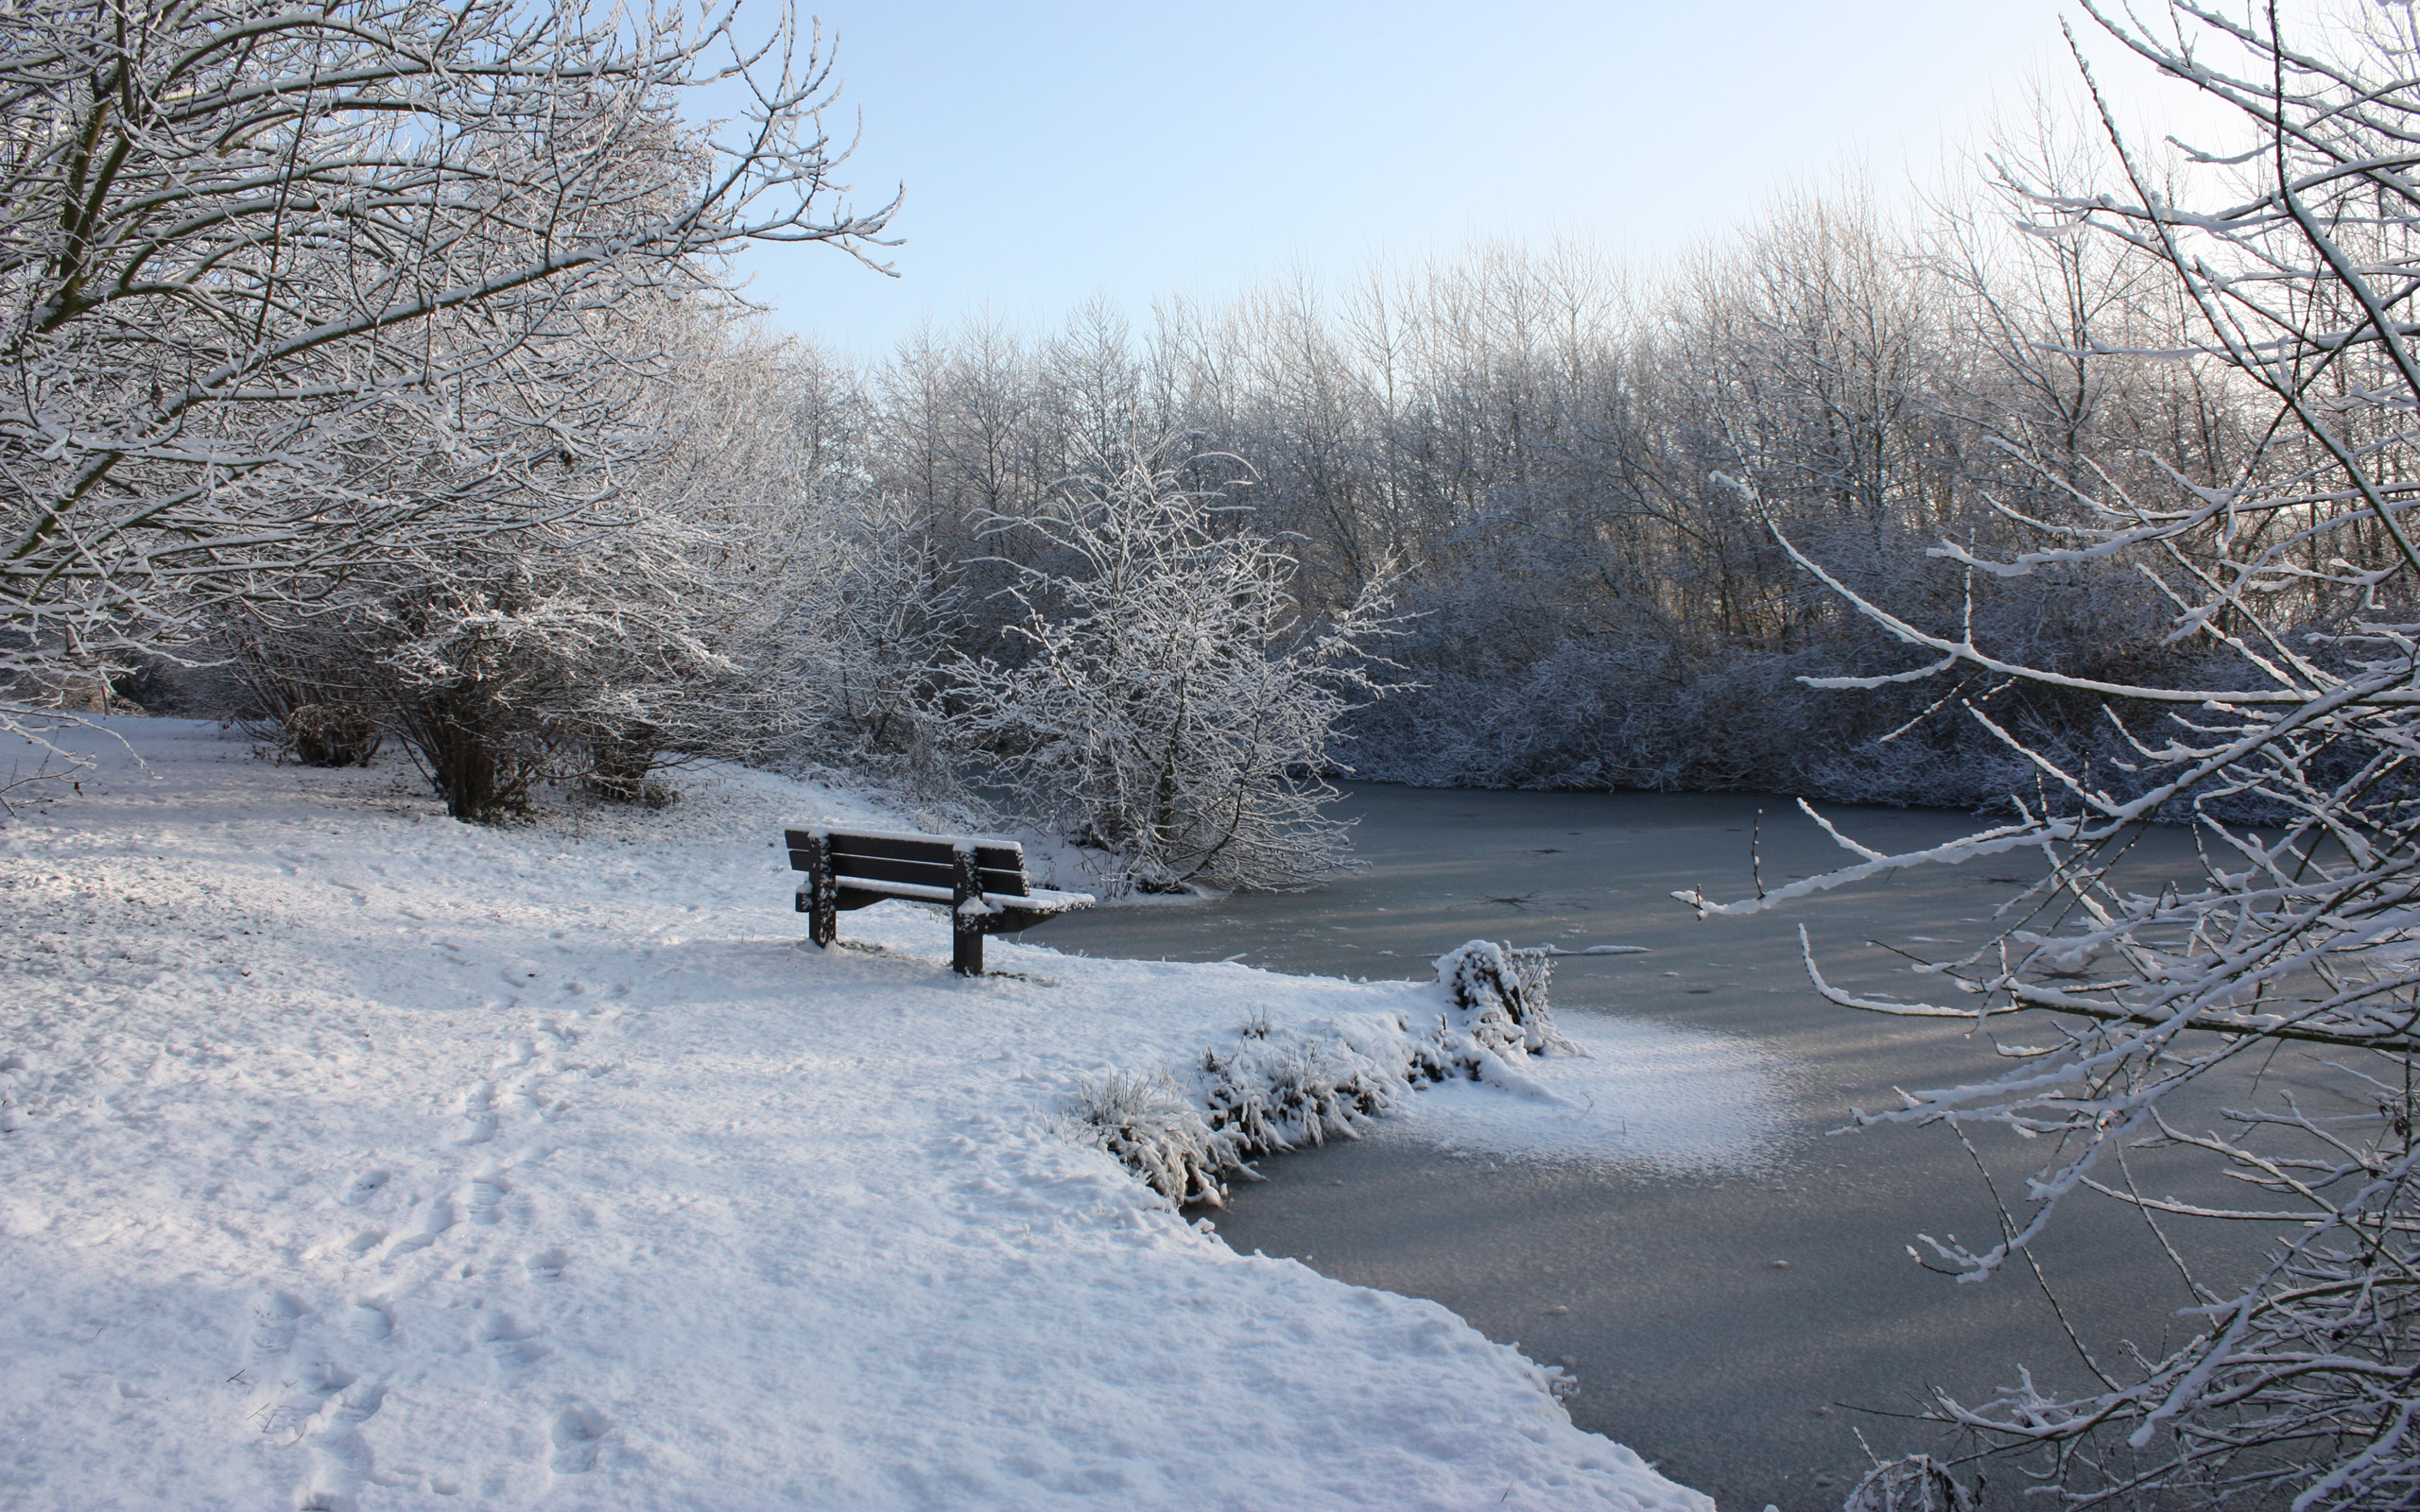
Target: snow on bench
[{"x": 978, "y": 878}]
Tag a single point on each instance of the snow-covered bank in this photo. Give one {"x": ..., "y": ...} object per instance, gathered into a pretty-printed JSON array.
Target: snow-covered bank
[{"x": 357, "y": 1159}]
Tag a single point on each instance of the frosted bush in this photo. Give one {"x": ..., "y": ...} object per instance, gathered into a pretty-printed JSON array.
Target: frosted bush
[
  {"x": 1276, "y": 1088},
  {"x": 1165, "y": 702},
  {"x": 1500, "y": 998},
  {"x": 330, "y": 734}
]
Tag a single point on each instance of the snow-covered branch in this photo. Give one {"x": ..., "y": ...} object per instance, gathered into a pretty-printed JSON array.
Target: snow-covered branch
[{"x": 2296, "y": 575}]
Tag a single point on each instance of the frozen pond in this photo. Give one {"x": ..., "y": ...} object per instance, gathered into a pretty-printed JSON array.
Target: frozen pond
[{"x": 1728, "y": 1283}]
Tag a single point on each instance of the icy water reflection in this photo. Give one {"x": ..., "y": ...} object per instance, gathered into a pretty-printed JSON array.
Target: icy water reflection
[{"x": 1729, "y": 1284}]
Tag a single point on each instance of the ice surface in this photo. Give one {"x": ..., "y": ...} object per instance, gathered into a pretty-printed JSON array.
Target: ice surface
[{"x": 356, "y": 1158}]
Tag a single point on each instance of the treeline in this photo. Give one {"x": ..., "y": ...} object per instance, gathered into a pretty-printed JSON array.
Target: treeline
[{"x": 1581, "y": 491}]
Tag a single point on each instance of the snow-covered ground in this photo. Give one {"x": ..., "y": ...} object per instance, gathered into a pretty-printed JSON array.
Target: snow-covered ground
[{"x": 357, "y": 1159}]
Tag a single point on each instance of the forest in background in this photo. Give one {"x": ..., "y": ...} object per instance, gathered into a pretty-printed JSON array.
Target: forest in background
[{"x": 1572, "y": 484}]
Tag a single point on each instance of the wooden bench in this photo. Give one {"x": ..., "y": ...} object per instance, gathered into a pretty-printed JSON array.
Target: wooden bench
[{"x": 978, "y": 878}]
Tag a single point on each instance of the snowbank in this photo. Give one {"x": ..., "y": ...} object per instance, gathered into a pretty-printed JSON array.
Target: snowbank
[{"x": 357, "y": 1159}]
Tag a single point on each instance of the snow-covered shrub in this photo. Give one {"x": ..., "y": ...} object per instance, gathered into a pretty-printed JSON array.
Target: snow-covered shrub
[
  {"x": 1500, "y": 997},
  {"x": 330, "y": 734},
  {"x": 1171, "y": 707},
  {"x": 1278, "y": 1088},
  {"x": 594, "y": 642},
  {"x": 1267, "y": 1091},
  {"x": 866, "y": 614},
  {"x": 1275, "y": 1088},
  {"x": 620, "y": 763},
  {"x": 628, "y": 632},
  {"x": 546, "y": 655}
]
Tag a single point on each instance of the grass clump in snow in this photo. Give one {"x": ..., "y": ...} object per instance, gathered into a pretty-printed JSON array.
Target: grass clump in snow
[{"x": 1155, "y": 1132}]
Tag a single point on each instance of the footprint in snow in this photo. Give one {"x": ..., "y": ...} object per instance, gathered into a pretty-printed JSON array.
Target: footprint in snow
[
  {"x": 578, "y": 1433},
  {"x": 292, "y": 1412},
  {"x": 360, "y": 1403},
  {"x": 483, "y": 1199},
  {"x": 439, "y": 1218},
  {"x": 522, "y": 1100},
  {"x": 477, "y": 1113},
  {"x": 546, "y": 1266},
  {"x": 274, "y": 1317},
  {"x": 511, "y": 1344},
  {"x": 340, "y": 1459},
  {"x": 368, "y": 1322}
]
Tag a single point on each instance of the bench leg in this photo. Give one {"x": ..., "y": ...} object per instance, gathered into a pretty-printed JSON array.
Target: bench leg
[
  {"x": 820, "y": 898},
  {"x": 825, "y": 926},
  {"x": 965, "y": 929}
]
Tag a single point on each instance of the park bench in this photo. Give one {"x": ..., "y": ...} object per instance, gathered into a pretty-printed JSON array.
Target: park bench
[{"x": 978, "y": 878}]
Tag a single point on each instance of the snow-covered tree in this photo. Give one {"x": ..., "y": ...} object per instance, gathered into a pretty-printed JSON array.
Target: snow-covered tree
[
  {"x": 294, "y": 295},
  {"x": 1172, "y": 709},
  {"x": 679, "y": 616},
  {"x": 871, "y": 620}
]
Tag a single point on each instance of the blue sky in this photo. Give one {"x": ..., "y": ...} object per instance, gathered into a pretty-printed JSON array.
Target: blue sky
[{"x": 1055, "y": 151}]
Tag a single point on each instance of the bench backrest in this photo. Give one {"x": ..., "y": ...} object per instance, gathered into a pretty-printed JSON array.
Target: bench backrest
[{"x": 924, "y": 860}]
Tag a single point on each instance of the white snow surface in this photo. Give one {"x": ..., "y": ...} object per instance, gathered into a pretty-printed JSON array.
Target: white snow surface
[
  {"x": 1647, "y": 1097},
  {"x": 356, "y": 1158}
]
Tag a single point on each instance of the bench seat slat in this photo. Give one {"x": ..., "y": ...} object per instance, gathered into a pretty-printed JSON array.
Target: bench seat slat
[
  {"x": 875, "y": 869},
  {"x": 934, "y": 851},
  {"x": 845, "y": 834}
]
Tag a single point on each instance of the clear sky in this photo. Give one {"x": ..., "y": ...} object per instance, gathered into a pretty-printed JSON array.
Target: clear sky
[{"x": 1052, "y": 150}]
